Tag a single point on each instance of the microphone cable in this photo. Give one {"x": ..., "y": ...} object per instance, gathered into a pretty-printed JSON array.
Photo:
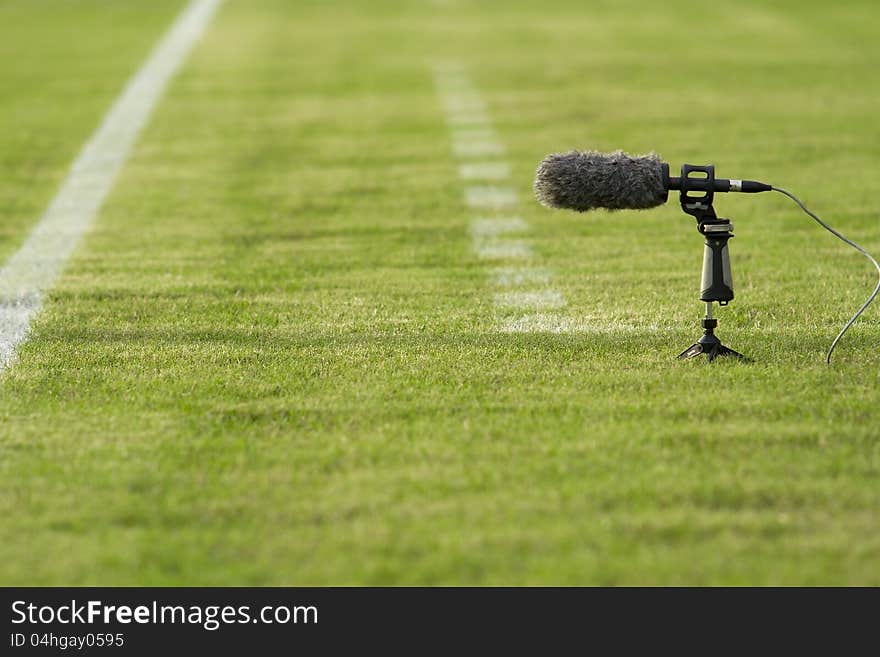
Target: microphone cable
[{"x": 857, "y": 248}]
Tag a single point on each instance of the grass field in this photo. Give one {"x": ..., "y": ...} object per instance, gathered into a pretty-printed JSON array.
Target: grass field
[{"x": 277, "y": 357}]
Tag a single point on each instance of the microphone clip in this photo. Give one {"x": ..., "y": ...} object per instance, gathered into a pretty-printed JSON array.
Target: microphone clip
[{"x": 697, "y": 191}]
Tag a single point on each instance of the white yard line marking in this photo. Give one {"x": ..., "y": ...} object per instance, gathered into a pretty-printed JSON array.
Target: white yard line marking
[
  {"x": 484, "y": 171},
  {"x": 490, "y": 197},
  {"x": 537, "y": 323},
  {"x": 470, "y": 134},
  {"x": 542, "y": 300},
  {"x": 543, "y": 322},
  {"x": 463, "y": 100},
  {"x": 477, "y": 148},
  {"x": 524, "y": 288},
  {"x": 519, "y": 276},
  {"x": 502, "y": 249},
  {"x": 35, "y": 266},
  {"x": 492, "y": 227},
  {"x": 468, "y": 120},
  {"x": 464, "y": 104}
]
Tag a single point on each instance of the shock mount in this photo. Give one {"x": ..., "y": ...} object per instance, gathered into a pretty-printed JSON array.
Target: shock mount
[{"x": 696, "y": 193}]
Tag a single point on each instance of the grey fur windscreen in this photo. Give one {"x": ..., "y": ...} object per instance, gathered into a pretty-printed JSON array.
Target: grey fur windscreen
[{"x": 588, "y": 180}]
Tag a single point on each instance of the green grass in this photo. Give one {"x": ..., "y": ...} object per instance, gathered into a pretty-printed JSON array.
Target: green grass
[{"x": 274, "y": 358}]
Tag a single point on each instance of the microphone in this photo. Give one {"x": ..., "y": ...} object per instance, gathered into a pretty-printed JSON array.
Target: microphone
[{"x": 588, "y": 180}]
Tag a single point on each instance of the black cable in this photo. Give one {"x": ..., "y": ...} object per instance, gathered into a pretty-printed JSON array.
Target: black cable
[{"x": 857, "y": 248}]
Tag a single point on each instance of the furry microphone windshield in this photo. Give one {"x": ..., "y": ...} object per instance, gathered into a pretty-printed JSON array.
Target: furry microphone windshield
[{"x": 589, "y": 180}]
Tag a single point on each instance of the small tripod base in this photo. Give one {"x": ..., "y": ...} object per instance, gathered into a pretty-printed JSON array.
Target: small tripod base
[{"x": 709, "y": 344}]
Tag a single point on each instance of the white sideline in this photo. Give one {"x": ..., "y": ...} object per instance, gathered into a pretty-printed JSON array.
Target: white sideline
[{"x": 35, "y": 266}]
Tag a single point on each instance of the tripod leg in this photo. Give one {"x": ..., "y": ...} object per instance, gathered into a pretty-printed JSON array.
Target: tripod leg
[
  {"x": 727, "y": 351},
  {"x": 691, "y": 352},
  {"x": 715, "y": 351}
]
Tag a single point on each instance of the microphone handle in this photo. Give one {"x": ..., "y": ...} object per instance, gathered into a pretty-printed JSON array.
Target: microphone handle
[{"x": 717, "y": 280}]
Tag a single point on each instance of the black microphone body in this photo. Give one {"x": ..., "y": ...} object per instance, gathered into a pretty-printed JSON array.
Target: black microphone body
[{"x": 720, "y": 184}]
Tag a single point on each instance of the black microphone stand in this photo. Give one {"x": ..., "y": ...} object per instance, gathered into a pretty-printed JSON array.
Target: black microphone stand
[{"x": 697, "y": 185}]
